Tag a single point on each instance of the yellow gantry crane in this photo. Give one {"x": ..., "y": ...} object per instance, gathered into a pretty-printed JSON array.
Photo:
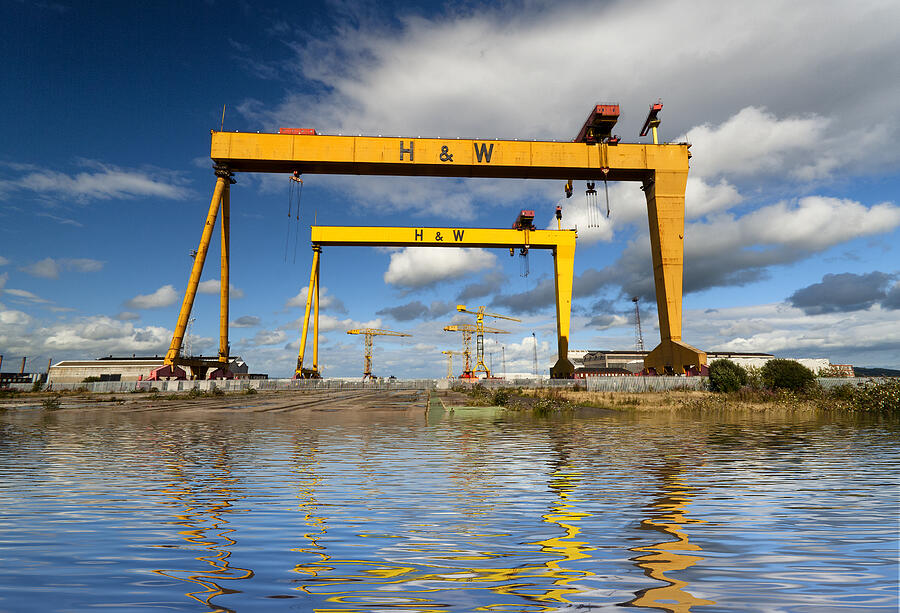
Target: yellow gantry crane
[
  {"x": 450, "y": 355},
  {"x": 467, "y": 331},
  {"x": 480, "y": 314},
  {"x": 660, "y": 168},
  {"x": 369, "y": 333}
]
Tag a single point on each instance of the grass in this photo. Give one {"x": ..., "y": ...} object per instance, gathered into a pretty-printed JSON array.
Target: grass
[{"x": 864, "y": 398}]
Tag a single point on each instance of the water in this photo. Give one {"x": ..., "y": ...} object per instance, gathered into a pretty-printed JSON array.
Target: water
[{"x": 469, "y": 511}]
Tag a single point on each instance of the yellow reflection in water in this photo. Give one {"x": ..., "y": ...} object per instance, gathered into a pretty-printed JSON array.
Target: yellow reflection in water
[
  {"x": 668, "y": 516},
  {"x": 363, "y": 583},
  {"x": 191, "y": 492}
]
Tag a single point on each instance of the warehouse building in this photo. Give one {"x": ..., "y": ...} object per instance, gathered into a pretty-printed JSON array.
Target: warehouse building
[{"x": 111, "y": 368}]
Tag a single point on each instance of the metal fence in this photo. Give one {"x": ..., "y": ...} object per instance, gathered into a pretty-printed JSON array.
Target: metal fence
[{"x": 592, "y": 384}]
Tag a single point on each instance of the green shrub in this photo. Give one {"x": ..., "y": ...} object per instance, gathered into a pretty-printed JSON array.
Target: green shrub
[
  {"x": 51, "y": 403},
  {"x": 500, "y": 397},
  {"x": 788, "y": 375},
  {"x": 91, "y": 379},
  {"x": 194, "y": 393},
  {"x": 37, "y": 386},
  {"x": 726, "y": 376}
]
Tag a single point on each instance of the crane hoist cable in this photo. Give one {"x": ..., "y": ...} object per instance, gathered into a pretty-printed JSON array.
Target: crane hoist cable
[
  {"x": 605, "y": 172},
  {"x": 296, "y": 184},
  {"x": 590, "y": 195}
]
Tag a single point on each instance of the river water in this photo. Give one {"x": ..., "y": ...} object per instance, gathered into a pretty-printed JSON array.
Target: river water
[{"x": 465, "y": 511}]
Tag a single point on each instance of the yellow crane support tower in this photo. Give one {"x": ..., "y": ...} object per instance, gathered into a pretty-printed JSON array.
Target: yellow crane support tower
[
  {"x": 661, "y": 169},
  {"x": 369, "y": 333},
  {"x": 450, "y": 355},
  {"x": 467, "y": 331},
  {"x": 480, "y": 314}
]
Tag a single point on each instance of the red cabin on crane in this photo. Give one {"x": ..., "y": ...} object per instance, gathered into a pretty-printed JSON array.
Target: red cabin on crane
[{"x": 599, "y": 124}]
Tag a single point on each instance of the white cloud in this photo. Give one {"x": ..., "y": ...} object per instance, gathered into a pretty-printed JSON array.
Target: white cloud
[
  {"x": 104, "y": 335},
  {"x": 163, "y": 297},
  {"x": 26, "y": 295},
  {"x": 3, "y": 261},
  {"x": 326, "y": 301},
  {"x": 11, "y": 317},
  {"x": 50, "y": 268},
  {"x": 46, "y": 268},
  {"x": 101, "y": 182},
  {"x": 863, "y": 337},
  {"x": 246, "y": 321},
  {"x": 428, "y": 77},
  {"x": 422, "y": 266},
  {"x": 213, "y": 287},
  {"x": 127, "y": 316}
]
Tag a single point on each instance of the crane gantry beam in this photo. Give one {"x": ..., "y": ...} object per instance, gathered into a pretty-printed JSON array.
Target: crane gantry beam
[
  {"x": 661, "y": 169},
  {"x": 560, "y": 242}
]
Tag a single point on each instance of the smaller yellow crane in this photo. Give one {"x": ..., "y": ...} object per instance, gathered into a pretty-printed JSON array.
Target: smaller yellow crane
[
  {"x": 467, "y": 331},
  {"x": 369, "y": 333},
  {"x": 480, "y": 314},
  {"x": 450, "y": 355}
]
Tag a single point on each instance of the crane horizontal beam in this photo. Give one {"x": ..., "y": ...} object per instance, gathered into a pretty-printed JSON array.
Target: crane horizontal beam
[
  {"x": 440, "y": 237},
  {"x": 376, "y": 332},
  {"x": 443, "y": 157}
]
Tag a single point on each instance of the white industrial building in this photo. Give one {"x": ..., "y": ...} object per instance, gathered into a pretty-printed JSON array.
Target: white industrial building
[{"x": 121, "y": 369}]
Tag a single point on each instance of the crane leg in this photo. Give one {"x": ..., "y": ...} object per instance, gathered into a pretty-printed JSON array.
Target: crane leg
[
  {"x": 310, "y": 290},
  {"x": 223, "y": 178},
  {"x": 564, "y": 271},
  {"x": 316, "y": 323},
  {"x": 224, "y": 349},
  {"x": 665, "y": 210}
]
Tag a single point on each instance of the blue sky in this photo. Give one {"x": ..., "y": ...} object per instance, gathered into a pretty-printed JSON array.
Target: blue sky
[{"x": 792, "y": 211}]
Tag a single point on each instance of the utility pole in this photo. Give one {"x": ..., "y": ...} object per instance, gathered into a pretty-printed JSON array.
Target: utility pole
[
  {"x": 534, "y": 338},
  {"x": 503, "y": 352},
  {"x": 638, "y": 335}
]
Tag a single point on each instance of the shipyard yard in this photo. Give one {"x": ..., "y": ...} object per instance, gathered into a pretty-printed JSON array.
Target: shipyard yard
[{"x": 531, "y": 307}]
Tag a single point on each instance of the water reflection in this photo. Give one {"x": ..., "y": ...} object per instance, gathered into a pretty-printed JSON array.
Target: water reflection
[
  {"x": 206, "y": 495},
  {"x": 668, "y": 516}
]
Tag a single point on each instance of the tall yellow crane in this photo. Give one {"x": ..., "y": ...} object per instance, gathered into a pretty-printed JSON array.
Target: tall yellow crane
[
  {"x": 660, "y": 168},
  {"x": 369, "y": 333},
  {"x": 480, "y": 314},
  {"x": 467, "y": 331},
  {"x": 450, "y": 355}
]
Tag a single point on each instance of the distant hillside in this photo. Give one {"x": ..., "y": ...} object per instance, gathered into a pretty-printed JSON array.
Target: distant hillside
[{"x": 875, "y": 372}]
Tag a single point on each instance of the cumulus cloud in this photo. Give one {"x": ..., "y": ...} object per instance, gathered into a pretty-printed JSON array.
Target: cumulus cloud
[
  {"x": 213, "y": 286},
  {"x": 267, "y": 337},
  {"x": 418, "y": 310},
  {"x": 842, "y": 292},
  {"x": 326, "y": 300},
  {"x": 99, "y": 182},
  {"x": 892, "y": 298},
  {"x": 3, "y": 261},
  {"x": 730, "y": 250},
  {"x": 858, "y": 337},
  {"x": 246, "y": 321},
  {"x": 50, "y": 268},
  {"x": 127, "y": 316},
  {"x": 416, "y": 267},
  {"x": 163, "y": 297},
  {"x": 98, "y": 335}
]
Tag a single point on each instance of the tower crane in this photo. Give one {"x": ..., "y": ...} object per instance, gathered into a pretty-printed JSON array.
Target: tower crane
[
  {"x": 480, "y": 314},
  {"x": 467, "y": 331},
  {"x": 369, "y": 333}
]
